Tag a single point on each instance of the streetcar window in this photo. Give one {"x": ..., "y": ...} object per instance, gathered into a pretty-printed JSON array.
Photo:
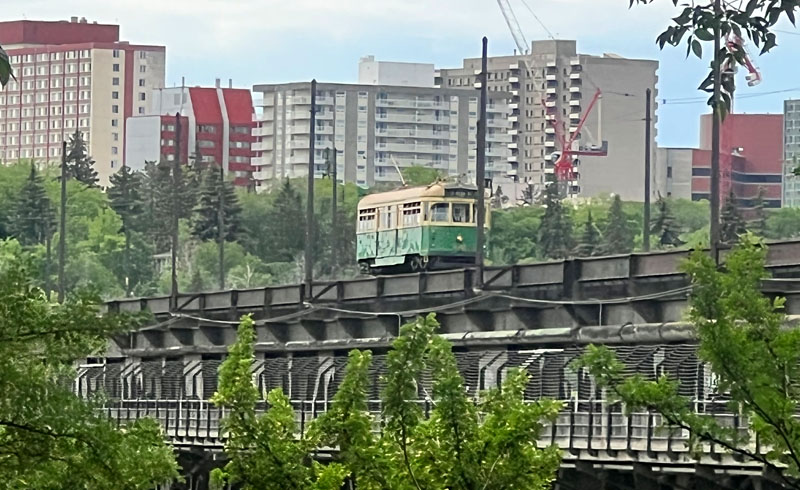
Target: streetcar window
[
  {"x": 366, "y": 219},
  {"x": 387, "y": 218},
  {"x": 439, "y": 212},
  {"x": 412, "y": 213},
  {"x": 460, "y": 213}
]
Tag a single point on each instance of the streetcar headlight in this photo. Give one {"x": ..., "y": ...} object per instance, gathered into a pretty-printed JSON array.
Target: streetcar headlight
[{"x": 460, "y": 239}]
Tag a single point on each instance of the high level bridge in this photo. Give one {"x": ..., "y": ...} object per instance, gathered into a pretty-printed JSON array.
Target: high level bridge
[{"x": 539, "y": 317}]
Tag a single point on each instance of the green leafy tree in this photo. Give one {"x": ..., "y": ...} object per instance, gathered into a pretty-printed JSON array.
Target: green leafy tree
[
  {"x": 618, "y": 238},
  {"x": 261, "y": 448},
  {"x": 162, "y": 199},
  {"x": 463, "y": 444},
  {"x": 783, "y": 223},
  {"x": 49, "y": 437},
  {"x": 758, "y": 224},
  {"x": 702, "y": 22},
  {"x": 743, "y": 339},
  {"x": 512, "y": 236},
  {"x": 80, "y": 165},
  {"x": 417, "y": 175},
  {"x": 731, "y": 222},
  {"x": 205, "y": 220},
  {"x": 6, "y": 71},
  {"x": 590, "y": 239},
  {"x": 555, "y": 229},
  {"x": 664, "y": 227}
]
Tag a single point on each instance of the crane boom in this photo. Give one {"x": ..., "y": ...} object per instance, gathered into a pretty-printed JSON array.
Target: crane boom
[{"x": 513, "y": 26}]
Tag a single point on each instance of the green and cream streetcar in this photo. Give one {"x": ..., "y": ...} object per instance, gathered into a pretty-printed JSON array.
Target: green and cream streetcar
[{"x": 417, "y": 228}]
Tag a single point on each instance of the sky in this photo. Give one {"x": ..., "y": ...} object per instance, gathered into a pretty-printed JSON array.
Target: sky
[{"x": 271, "y": 41}]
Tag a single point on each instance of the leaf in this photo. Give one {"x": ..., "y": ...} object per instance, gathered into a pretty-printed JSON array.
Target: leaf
[
  {"x": 697, "y": 49},
  {"x": 769, "y": 43},
  {"x": 6, "y": 71},
  {"x": 703, "y": 35}
]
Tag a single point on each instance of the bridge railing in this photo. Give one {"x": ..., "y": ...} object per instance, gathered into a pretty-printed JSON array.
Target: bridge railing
[{"x": 583, "y": 426}]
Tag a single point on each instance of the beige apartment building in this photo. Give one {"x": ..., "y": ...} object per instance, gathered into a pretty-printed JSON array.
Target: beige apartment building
[
  {"x": 73, "y": 76},
  {"x": 556, "y": 84}
]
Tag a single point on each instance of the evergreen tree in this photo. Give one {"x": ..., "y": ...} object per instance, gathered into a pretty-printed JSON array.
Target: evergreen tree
[
  {"x": 590, "y": 240},
  {"x": 126, "y": 200},
  {"x": 33, "y": 216},
  {"x": 80, "y": 165},
  {"x": 617, "y": 235},
  {"x": 758, "y": 224},
  {"x": 664, "y": 227},
  {"x": 206, "y": 215},
  {"x": 160, "y": 200},
  {"x": 286, "y": 223},
  {"x": 555, "y": 229},
  {"x": 731, "y": 223}
]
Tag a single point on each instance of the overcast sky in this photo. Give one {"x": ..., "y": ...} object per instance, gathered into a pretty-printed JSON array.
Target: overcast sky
[{"x": 268, "y": 41}]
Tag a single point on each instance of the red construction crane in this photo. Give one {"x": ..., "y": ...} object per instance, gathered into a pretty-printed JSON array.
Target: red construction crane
[
  {"x": 734, "y": 44},
  {"x": 564, "y": 168}
]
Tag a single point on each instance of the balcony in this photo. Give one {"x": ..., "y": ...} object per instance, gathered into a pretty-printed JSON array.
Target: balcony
[
  {"x": 550, "y": 144},
  {"x": 513, "y": 106},
  {"x": 575, "y": 61},
  {"x": 575, "y": 89},
  {"x": 513, "y": 132},
  {"x": 262, "y": 130},
  {"x": 260, "y": 161},
  {"x": 324, "y": 101},
  {"x": 416, "y": 133},
  {"x": 550, "y": 130},
  {"x": 512, "y": 146},
  {"x": 261, "y": 146},
  {"x": 412, "y": 148},
  {"x": 324, "y": 116},
  {"x": 552, "y": 64},
  {"x": 499, "y": 108},
  {"x": 262, "y": 175},
  {"x": 575, "y": 103},
  {"x": 513, "y": 119},
  {"x": 498, "y": 122},
  {"x": 551, "y": 90},
  {"x": 513, "y": 79},
  {"x": 551, "y": 77},
  {"x": 512, "y": 158},
  {"x": 574, "y": 76},
  {"x": 550, "y": 103},
  {"x": 324, "y": 129},
  {"x": 298, "y": 144},
  {"x": 515, "y": 93},
  {"x": 299, "y": 129},
  {"x": 411, "y": 118}
]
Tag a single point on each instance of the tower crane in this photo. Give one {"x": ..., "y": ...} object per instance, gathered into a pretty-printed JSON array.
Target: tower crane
[
  {"x": 513, "y": 26},
  {"x": 564, "y": 168}
]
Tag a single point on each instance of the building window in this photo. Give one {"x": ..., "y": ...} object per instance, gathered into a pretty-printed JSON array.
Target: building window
[
  {"x": 205, "y": 144},
  {"x": 115, "y": 67},
  {"x": 142, "y": 55},
  {"x": 115, "y": 136},
  {"x": 115, "y": 53},
  {"x": 114, "y": 150},
  {"x": 115, "y": 109},
  {"x": 142, "y": 96},
  {"x": 115, "y": 123},
  {"x": 142, "y": 68},
  {"x": 115, "y": 81},
  {"x": 141, "y": 110},
  {"x": 115, "y": 95},
  {"x": 206, "y": 128},
  {"x": 141, "y": 82}
]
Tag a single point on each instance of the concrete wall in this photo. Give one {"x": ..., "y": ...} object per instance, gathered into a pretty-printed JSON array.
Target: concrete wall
[
  {"x": 372, "y": 72},
  {"x": 142, "y": 141},
  {"x": 673, "y": 174},
  {"x": 621, "y": 117}
]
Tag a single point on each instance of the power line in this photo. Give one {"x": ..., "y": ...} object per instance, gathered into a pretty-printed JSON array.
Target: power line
[
  {"x": 695, "y": 100},
  {"x": 550, "y": 34}
]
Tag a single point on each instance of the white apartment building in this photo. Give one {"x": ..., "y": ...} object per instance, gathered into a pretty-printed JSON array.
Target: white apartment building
[
  {"x": 554, "y": 83},
  {"x": 791, "y": 153},
  {"x": 377, "y": 128},
  {"x": 73, "y": 76}
]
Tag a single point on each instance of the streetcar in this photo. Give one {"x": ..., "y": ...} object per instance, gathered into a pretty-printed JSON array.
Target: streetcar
[{"x": 417, "y": 228}]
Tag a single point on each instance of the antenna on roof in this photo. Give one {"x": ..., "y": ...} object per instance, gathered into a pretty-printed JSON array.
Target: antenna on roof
[{"x": 397, "y": 167}]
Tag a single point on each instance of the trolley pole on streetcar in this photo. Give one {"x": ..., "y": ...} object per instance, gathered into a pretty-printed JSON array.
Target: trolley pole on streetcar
[
  {"x": 480, "y": 168},
  {"x": 309, "y": 248},
  {"x": 646, "y": 219}
]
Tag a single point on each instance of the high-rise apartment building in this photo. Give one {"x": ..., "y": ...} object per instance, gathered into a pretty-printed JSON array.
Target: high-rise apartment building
[
  {"x": 73, "y": 76},
  {"x": 376, "y": 129},
  {"x": 216, "y": 123},
  {"x": 791, "y": 153},
  {"x": 554, "y": 85}
]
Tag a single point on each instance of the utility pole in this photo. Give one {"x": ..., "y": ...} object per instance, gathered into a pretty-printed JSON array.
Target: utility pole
[
  {"x": 480, "y": 167},
  {"x": 715, "y": 128},
  {"x": 647, "y": 150},
  {"x": 309, "y": 249},
  {"x": 176, "y": 179},
  {"x": 126, "y": 199},
  {"x": 62, "y": 225},
  {"x": 221, "y": 226}
]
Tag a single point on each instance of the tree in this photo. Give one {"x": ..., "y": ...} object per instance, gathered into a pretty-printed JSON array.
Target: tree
[
  {"x": 617, "y": 235},
  {"x": 261, "y": 448},
  {"x": 783, "y": 223},
  {"x": 512, "y": 236},
  {"x": 286, "y": 224},
  {"x": 50, "y": 437},
  {"x": 664, "y": 227},
  {"x": 758, "y": 224},
  {"x": 206, "y": 214},
  {"x": 555, "y": 229},
  {"x": 731, "y": 223},
  {"x": 590, "y": 240},
  {"x": 162, "y": 200},
  {"x": 80, "y": 165},
  {"x": 126, "y": 200},
  {"x": 745, "y": 341},
  {"x": 709, "y": 20},
  {"x": 6, "y": 71},
  {"x": 33, "y": 218},
  {"x": 417, "y": 175}
]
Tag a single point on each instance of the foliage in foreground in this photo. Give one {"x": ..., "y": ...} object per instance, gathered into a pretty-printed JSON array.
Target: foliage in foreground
[
  {"x": 487, "y": 442},
  {"x": 49, "y": 437},
  {"x": 742, "y": 338}
]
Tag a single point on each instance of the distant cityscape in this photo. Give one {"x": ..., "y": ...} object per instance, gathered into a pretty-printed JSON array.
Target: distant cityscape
[{"x": 77, "y": 75}]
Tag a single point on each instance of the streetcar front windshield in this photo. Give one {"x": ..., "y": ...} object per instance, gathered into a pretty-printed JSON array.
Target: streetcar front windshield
[
  {"x": 460, "y": 213},
  {"x": 439, "y": 212}
]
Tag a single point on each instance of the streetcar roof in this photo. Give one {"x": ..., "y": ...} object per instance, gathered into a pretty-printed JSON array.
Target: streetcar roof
[{"x": 437, "y": 189}]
